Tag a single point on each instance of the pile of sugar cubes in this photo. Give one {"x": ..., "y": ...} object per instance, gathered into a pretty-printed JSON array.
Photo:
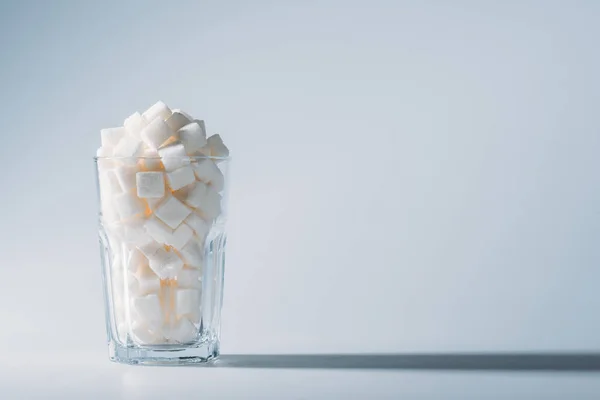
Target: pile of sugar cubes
[{"x": 161, "y": 189}]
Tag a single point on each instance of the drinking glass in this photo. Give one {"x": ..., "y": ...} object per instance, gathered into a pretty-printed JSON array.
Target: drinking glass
[{"x": 162, "y": 259}]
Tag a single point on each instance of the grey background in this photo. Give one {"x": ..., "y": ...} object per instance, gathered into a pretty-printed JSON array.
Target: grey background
[{"x": 407, "y": 177}]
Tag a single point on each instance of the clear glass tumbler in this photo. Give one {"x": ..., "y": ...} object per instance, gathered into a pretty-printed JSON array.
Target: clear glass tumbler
[{"x": 162, "y": 246}]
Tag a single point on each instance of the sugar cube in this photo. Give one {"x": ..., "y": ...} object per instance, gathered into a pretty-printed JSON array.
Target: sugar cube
[
  {"x": 172, "y": 212},
  {"x": 150, "y": 184},
  {"x": 136, "y": 259},
  {"x": 196, "y": 195},
  {"x": 151, "y": 160},
  {"x": 114, "y": 230},
  {"x": 183, "y": 331},
  {"x": 193, "y": 254},
  {"x": 193, "y": 136},
  {"x": 187, "y": 301},
  {"x": 180, "y": 177},
  {"x": 181, "y": 194},
  {"x": 189, "y": 279},
  {"x": 208, "y": 172},
  {"x": 149, "y": 247},
  {"x": 215, "y": 147},
  {"x": 159, "y": 109},
  {"x": 200, "y": 226},
  {"x": 104, "y": 151},
  {"x": 147, "y": 284},
  {"x": 134, "y": 124},
  {"x": 133, "y": 232},
  {"x": 177, "y": 120},
  {"x": 129, "y": 205},
  {"x": 154, "y": 203},
  {"x": 155, "y": 133},
  {"x": 194, "y": 317},
  {"x": 128, "y": 147},
  {"x": 112, "y": 136},
  {"x": 109, "y": 184},
  {"x": 125, "y": 174},
  {"x": 165, "y": 264},
  {"x": 110, "y": 214},
  {"x": 144, "y": 334},
  {"x": 180, "y": 236},
  {"x": 158, "y": 231},
  {"x": 148, "y": 308},
  {"x": 173, "y": 156},
  {"x": 210, "y": 206},
  {"x": 188, "y": 116}
]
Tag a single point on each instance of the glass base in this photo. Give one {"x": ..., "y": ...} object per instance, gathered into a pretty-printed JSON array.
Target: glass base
[{"x": 164, "y": 354}]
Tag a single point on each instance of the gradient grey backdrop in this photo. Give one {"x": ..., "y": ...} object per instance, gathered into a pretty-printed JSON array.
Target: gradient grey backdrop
[{"x": 407, "y": 176}]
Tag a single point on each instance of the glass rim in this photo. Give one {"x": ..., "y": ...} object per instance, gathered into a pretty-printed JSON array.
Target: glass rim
[{"x": 203, "y": 157}]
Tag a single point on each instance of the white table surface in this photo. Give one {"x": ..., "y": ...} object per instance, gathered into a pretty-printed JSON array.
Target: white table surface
[{"x": 242, "y": 377}]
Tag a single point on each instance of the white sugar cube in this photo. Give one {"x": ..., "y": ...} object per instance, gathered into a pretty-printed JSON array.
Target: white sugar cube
[
  {"x": 110, "y": 214},
  {"x": 200, "y": 226},
  {"x": 166, "y": 264},
  {"x": 151, "y": 160},
  {"x": 129, "y": 205},
  {"x": 114, "y": 230},
  {"x": 181, "y": 194},
  {"x": 210, "y": 206},
  {"x": 104, "y": 159},
  {"x": 109, "y": 184},
  {"x": 156, "y": 133},
  {"x": 134, "y": 233},
  {"x": 143, "y": 334},
  {"x": 112, "y": 136},
  {"x": 167, "y": 293},
  {"x": 147, "y": 284},
  {"x": 159, "y": 109},
  {"x": 106, "y": 163},
  {"x": 174, "y": 156},
  {"x": 177, "y": 120},
  {"x": 180, "y": 236},
  {"x": 188, "y": 116},
  {"x": 194, "y": 317},
  {"x": 180, "y": 177},
  {"x": 147, "y": 308},
  {"x": 172, "y": 212},
  {"x": 208, "y": 172},
  {"x": 215, "y": 147},
  {"x": 150, "y": 184},
  {"x": 189, "y": 279},
  {"x": 113, "y": 241},
  {"x": 126, "y": 176},
  {"x": 183, "y": 331},
  {"x": 134, "y": 124},
  {"x": 193, "y": 136},
  {"x": 196, "y": 195},
  {"x": 187, "y": 301},
  {"x": 158, "y": 231},
  {"x": 193, "y": 254},
  {"x": 154, "y": 203},
  {"x": 136, "y": 260},
  {"x": 105, "y": 151},
  {"x": 132, "y": 283},
  {"x": 149, "y": 247},
  {"x": 128, "y": 147}
]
